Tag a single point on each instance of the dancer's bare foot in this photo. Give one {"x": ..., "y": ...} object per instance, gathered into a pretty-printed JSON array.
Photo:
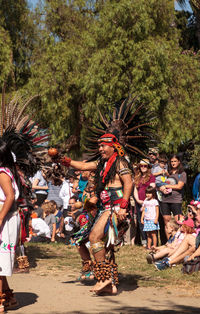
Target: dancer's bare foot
[
  {"x": 100, "y": 285},
  {"x": 109, "y": 289}
]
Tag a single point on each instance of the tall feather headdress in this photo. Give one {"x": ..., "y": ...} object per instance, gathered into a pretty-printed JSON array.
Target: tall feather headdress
[
  {"x": 130, "y": 122},
  {"x": 24, "y": 137}
]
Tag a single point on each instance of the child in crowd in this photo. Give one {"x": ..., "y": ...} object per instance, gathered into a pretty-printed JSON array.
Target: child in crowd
[
  {"x": 160, "y": 171},
  {"x": 186, "y": 227},
  {"x": 150, "y": 214},
  {"x": 49, "y": 218},
  {"x": 57, "y": 213},
  {"x": 172, "y": 229},
  {"x": 186, "y": 247}
]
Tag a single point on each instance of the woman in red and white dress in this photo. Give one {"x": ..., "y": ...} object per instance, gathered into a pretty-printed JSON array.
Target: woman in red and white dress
[{"x": 9, "y": 224}]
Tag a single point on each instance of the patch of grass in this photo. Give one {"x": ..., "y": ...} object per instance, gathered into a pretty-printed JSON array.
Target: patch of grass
[
  {"x": 133, "y": 268},
  {"x": 132, "y": 261}
]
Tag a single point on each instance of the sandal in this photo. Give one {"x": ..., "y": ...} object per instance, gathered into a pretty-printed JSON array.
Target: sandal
[
  {"x": 10, "y": 300},
  {"x": 86, "y": 276},
  {"x": 87, "y": 273},
  {"x": 150, "y": 258}
]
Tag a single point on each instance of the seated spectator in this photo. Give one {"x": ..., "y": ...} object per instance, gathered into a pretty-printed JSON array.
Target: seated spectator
[
  {"x": 35, "y": 208},
  {"x": 58, "y": 214},
  {"x": 187, "y": 246},
  {"x": 67, "y": 219},
  {"x": 40, "y": 230},
  {"x": 172, "y": 228},
  {"x": 50, "y": 219},
  {"x": 187, "y": 227}
]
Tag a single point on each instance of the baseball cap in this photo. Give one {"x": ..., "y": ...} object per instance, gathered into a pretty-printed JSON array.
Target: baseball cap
[{"x": 189, "y": 222}]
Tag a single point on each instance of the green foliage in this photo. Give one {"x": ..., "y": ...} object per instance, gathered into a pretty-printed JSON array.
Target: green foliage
[
  {"x": 93, "y": 53},
  {"x": 16, "y": 19},
  {"x": 5, "y": 55}
]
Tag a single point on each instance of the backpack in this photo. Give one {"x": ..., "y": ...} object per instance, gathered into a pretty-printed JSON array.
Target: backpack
[
  {"x": 196, "y": 188},
  {"x": 192, "y": 266}
]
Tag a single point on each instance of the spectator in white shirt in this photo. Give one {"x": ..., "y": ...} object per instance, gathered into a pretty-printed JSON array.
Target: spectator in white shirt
[
  {"x": 41, "y": 231},
  {"x": 66, "y": 189}
]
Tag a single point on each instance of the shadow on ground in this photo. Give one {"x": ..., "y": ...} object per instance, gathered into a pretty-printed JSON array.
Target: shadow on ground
[
  {"x": 25, "y": 298},
  {"x": 138, "y": 310},
  {"x": 35, "y": 252}
]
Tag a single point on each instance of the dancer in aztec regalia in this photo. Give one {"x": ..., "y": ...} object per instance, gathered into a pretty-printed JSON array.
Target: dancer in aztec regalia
[
  {"x": 129, "y": 129},
  {"x": 24, "y": 139}
]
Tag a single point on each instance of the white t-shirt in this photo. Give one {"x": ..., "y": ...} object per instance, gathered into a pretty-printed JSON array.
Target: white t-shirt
[
  {"x": 41, "y": 228},
  {"x": 66, "y": 193},
  {"x": 68, "y": 223},
  {"x": 150, "y": 209}
]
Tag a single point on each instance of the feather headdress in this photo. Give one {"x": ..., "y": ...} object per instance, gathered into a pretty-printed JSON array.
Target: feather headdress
[
  {"x": 23, "y": 136},
  {"x": 130, "y": 123}
]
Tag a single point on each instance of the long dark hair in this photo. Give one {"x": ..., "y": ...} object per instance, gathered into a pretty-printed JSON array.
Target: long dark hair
[
  {"x": 180, "y": 168},
  {"x": 111, "y": 174},
  {"x": 6, "y": 158}
]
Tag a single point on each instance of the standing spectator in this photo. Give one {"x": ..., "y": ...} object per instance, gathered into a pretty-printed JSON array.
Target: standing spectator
[
  {"x": 196, "y": 188},
  {"x": 66, "y": 188},
  {"x": 172, "y": 202},
  {"x": 79, "y": 186},
  {"x": 150, "y": 213},
  {"x": 143, "y": 178},
  {"x": 153, "y": 155},
  {"x": 66, "y": 226},
  {"x": 160, "y": 171},
  {"x": 54, "y": 192},
  {"x": 40, "y": 187}
]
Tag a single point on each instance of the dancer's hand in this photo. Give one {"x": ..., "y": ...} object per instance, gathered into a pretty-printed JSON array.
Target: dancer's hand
[
  {"x": 122, "y": 214},
  {"x": 65, "y": 161}
]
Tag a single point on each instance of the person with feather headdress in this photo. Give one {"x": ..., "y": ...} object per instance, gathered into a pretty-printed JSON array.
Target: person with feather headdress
[{"x": 113, "y": 182}]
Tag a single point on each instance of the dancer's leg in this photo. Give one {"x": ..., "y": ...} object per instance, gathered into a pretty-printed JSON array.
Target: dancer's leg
[
  {"x": 84, "y": 252},
  {"x": 87, "y": 272},
  {"x": 103, "y": 269},
  {"x": 2, "y": 295}
]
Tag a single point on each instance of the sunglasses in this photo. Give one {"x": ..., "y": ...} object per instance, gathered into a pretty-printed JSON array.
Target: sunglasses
[
  {"x": 143, "y": 166},
  {"x": 191, "y": 211}
]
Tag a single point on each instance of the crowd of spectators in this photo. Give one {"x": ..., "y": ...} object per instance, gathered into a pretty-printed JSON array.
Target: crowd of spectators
[{"x": 156, "y": 218}]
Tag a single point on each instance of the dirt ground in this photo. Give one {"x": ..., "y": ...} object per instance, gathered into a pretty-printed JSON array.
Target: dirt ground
[{"x": 39, "y": 293}]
